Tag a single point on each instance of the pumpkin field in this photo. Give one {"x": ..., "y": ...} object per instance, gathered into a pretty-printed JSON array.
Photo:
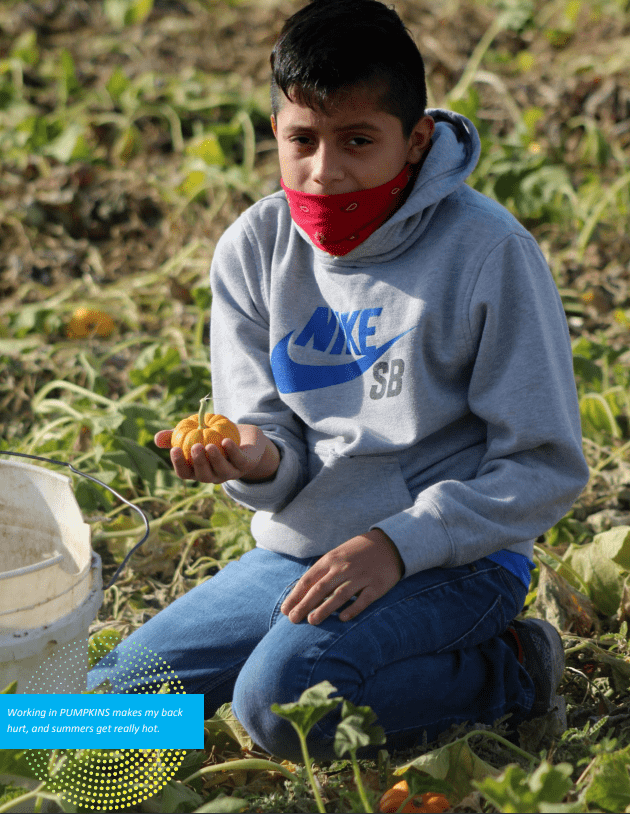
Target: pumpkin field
[{"x": 132, "y": 134}]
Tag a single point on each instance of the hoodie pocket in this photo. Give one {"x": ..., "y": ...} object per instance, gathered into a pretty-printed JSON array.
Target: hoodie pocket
[{"x": 345, "y": 498}]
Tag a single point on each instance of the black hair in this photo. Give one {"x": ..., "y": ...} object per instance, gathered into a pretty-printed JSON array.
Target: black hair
[{"x": 331, "y": 45}]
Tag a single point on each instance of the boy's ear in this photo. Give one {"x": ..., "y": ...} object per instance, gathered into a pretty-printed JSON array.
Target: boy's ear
[
  {"x": 420, "y": 139},
  {"x": 274, "y": 126}
]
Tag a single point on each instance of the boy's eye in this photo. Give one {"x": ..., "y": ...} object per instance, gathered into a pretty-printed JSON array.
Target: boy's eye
[
  {"x": 301, "y": 140},
  {"x": 355, "y": 141}
]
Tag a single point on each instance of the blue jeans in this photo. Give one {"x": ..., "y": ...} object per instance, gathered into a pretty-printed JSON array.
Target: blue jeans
[{"x": 426, "y": 655}]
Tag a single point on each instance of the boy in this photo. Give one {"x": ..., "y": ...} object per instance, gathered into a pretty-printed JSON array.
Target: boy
[{"x": 395, "y": 352}]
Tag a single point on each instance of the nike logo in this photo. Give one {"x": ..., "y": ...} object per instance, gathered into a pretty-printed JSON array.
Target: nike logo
[{"x": 293, "y": 377}]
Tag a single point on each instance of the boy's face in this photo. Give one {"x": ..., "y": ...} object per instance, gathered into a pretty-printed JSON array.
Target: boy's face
[{"x": 356, "y": 146}]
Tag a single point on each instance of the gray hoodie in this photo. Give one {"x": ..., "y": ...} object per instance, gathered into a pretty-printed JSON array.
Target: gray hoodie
[{"x": 421, "y": 384}]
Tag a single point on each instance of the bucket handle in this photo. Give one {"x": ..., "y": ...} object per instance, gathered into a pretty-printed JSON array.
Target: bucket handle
[
  {"x": 109, "y": 488},
  {"x": 28, "y": 569}
]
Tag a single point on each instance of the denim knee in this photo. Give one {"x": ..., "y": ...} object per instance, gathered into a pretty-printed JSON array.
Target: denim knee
[{"x": 251, "y": 703}]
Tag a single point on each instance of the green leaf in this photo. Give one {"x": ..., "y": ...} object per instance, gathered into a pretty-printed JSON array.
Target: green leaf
[
  {"x": 129, "y": 144},
  {"x": 10, "y": 689},
  {"x": 191, "y": 763},
  {"x": 601, "y": 576},
  {"x": 516, "y": 14},
  {"x": 13, "y": 762},
  {"x": 593, "y": 350},
  {"x": 531, "y": 117},
  {"x": 597, "y": 416},
  {"x": 587, "y": 370},
  {"x": 357, "y": 729},
  {"x": 25, "y": 48},
  {"x": 468, "y": 106},
  {"x": 455, "y": 763},
  {"x": 223, "y": 805},
  {"x": 615, "y": 544},
  {"x": 10, "y": 792},
  {"x": 101, "y": 643},
  {"x": 131, "y": 455},
  {"x": 208, "y": 149},
  {"x": 177, "y": 798},
  {"x": 224, "y": 727},
  {"x": 202, "y": 297},
  {"x": 100, "y": 421},
  {"x": 29, "y": 319},
  {"x": 69, "y": 83},
  {"x": 231, "y": 527},
  {"x": 193, "y": 184},
  {"x": 517, "y": 791},
  {"x": 422, "y": 783},
  {"x": 16, "y": 346},
  {"x": 138, "y": 11},
  {"x": 70, "y": 145},
  {"x": 609, "y": 788},
  {"x": 139, "y": 417},
  {"x": 154, "y": 364},
  {"x": 525, "y": 61},
  {"x": 117, "y": 84},
  {"x": 116, "y": 11},
  {"x": 91, "y": 497},
  {"x": 311, "y": 707},
  {"x": 600, "y": 565}
]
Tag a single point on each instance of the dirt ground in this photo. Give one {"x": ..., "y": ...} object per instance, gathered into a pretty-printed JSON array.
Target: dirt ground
[{"x": 107, "y": 219}]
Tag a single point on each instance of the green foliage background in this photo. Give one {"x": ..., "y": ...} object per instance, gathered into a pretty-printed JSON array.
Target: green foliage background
[{"x": 132, "y": 133}]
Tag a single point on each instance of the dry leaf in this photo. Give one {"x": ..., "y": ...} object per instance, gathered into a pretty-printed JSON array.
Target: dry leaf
[
  {"x": 563, "y": 606},
  {"x": 473, "y": 802}
]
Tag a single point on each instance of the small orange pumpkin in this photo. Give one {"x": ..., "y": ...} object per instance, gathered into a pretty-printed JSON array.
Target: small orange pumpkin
[
  {"x": 430, "y": 801},
  {"x": 89, "y": 322},
  {"x": 435, "y": 802},
  {"x": 203, "y": 428}
]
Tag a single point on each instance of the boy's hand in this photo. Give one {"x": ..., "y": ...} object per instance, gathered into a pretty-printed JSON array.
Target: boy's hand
[
  {"x": 367, "y": 565},
  {"x": 256, "y": 459}
]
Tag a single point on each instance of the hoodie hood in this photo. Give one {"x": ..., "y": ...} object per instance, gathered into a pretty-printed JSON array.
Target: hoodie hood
[{"x": 453, "y": 156}]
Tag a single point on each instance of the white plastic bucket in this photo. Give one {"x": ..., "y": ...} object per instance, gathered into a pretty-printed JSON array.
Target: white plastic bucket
[{"x": 50, "y": 581}]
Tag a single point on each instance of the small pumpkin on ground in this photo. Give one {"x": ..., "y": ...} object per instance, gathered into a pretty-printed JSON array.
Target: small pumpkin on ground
[
  {"x": 430, "y": 801},
  {"x": 204, "y": 428},
  {"x": 89, "y": 322}
]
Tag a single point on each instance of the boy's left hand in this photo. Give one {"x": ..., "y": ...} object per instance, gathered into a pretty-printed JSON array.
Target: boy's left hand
[{"x": 366, "y": 566}]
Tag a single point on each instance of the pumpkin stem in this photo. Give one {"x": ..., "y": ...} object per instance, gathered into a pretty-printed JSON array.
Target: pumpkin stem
[{"x": 203, "y": 409}]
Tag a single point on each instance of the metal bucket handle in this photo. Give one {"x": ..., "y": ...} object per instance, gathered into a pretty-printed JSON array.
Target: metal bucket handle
[{"x": 109, "y": 488}]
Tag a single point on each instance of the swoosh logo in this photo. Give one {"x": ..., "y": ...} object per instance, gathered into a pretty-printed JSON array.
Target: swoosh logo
[{"x": 293, "y": 377}]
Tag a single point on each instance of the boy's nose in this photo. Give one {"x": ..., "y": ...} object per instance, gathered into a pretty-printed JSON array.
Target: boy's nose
[{"x": 326, "y": 169}]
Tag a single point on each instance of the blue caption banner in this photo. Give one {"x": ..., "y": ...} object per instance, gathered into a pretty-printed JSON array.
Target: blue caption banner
[{"x": 101, "y": 721}]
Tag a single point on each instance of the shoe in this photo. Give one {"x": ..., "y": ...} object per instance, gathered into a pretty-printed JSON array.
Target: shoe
[{"x": 541, "y": 653}]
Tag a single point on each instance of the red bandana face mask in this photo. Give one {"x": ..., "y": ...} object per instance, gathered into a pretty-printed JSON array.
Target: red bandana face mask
[{"x": 339, "y": 223}]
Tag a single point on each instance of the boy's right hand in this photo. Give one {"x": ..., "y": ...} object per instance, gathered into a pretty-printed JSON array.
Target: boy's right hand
[{"x": 256, "y": 459}]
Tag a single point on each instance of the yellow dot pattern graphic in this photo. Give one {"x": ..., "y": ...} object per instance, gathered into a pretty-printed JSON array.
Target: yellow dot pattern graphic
[{"x": 107, "y": 779}]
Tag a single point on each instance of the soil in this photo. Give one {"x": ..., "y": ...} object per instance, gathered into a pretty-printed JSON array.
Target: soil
[{"x": 112, "y": 217}]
